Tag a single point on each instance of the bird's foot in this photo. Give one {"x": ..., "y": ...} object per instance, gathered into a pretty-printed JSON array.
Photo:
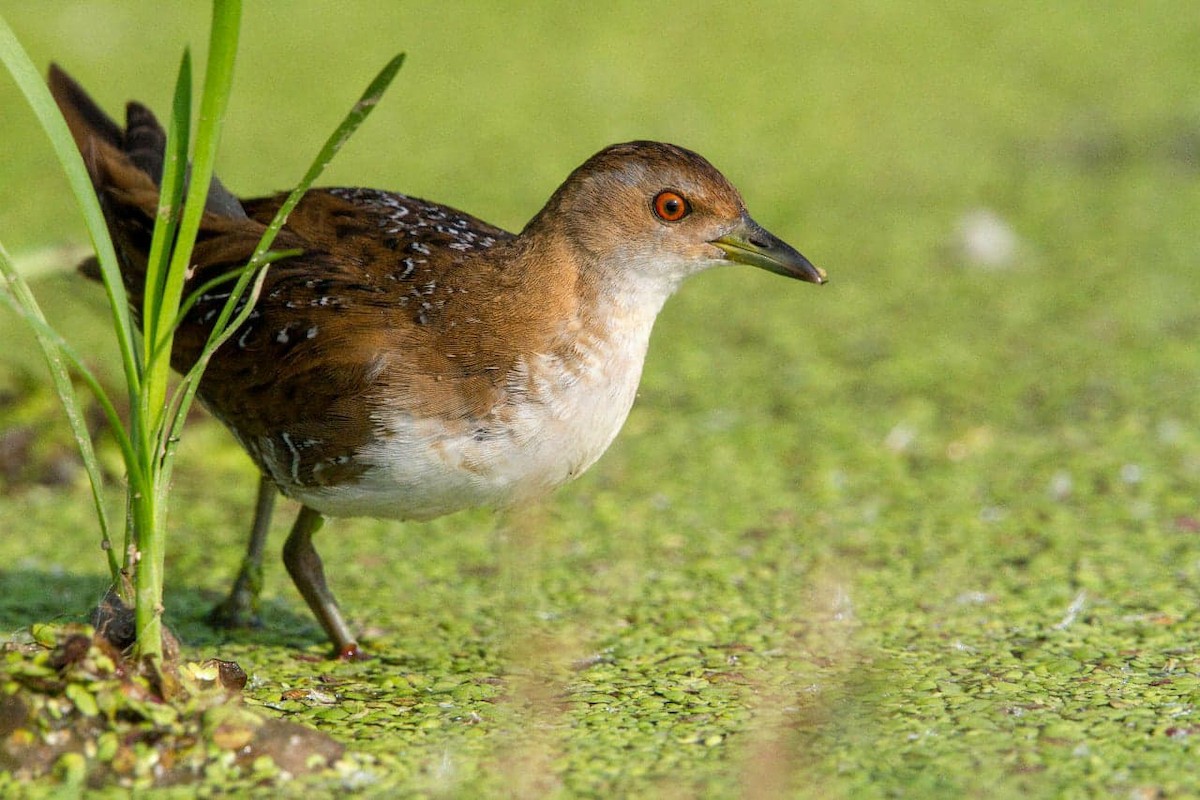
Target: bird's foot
[
  {"x": 351, "y": 652},
  {"x": 237, "y": 611}
]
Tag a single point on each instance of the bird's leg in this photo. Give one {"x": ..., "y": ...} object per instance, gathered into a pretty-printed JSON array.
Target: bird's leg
[
  {"x": 304, "y": 565},
  {"x": 240, "y": 608}
]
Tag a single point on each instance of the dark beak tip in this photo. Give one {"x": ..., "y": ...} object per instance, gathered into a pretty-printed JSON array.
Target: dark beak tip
[{"x": 802, "y": 269}]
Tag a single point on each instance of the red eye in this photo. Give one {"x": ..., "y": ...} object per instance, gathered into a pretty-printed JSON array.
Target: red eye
[{"x": 671, "y": 207}]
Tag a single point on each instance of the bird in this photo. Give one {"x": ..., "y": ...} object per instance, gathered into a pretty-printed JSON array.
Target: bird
[{"x": 412, "y": 360}]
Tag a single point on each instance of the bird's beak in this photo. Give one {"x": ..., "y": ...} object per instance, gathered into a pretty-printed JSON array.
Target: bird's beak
[{"x": 751, "y": 243}]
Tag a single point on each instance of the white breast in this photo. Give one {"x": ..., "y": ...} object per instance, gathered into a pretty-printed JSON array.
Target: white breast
[{"x": 561, "y": 414}]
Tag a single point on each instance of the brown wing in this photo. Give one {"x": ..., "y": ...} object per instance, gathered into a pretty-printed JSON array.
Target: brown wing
[{"x": 357, "y": 327}]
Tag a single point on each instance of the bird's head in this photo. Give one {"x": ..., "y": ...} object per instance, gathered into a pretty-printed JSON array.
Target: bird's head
[{"x": 663, "y": 213}]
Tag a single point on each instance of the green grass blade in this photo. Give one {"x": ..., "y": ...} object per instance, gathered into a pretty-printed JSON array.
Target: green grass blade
[
  {"x": 17, "y": 295},
  {"x": 162, "y": 246},
  {"x": 31, "y": 84},
  {"x": 149, "y": 509},
  {"x": 218, "y": 81},
  {"x": 170, "y": 201},
  {"x": 75, "y": 361}
]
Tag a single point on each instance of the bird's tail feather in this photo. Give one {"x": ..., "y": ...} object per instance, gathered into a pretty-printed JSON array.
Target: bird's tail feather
[{"x": 125, "y": 165}]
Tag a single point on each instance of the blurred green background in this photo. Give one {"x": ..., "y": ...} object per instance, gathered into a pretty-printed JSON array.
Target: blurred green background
[{"x": 930, "y": 530}]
